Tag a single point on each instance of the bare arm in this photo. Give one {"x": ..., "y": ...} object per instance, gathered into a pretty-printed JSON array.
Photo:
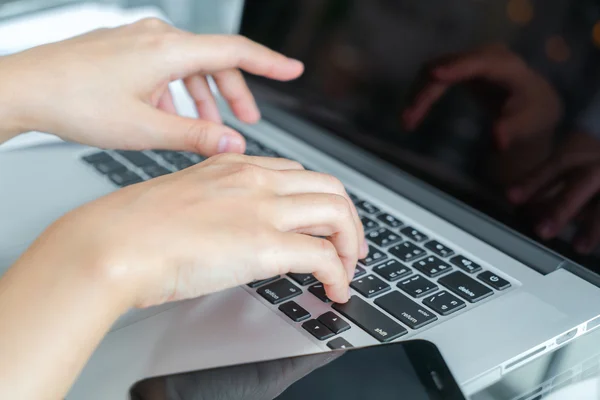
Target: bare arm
[{"x": 124, "y": 250}]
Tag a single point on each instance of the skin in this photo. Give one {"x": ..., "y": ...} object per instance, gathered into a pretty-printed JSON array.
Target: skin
[{"x": 230, "y": 220}]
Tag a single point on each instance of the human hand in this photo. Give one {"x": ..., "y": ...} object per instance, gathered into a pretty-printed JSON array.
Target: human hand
[
  {"x": 109, "y": 88},
  {"x": 530, "y": 105},
  {"x": 226, "y": 222},
  {"x": 565, "y": 188}
]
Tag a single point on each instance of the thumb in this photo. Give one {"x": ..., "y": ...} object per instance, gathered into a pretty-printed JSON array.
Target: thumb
[{"x": 166, "y": 131}]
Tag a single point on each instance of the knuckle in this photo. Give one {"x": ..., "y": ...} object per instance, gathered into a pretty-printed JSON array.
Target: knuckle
[
  {"x": 339, "y": 205},
  {"x": 292, "y": 164},
  {"x": 226, "y": 158},
  {"x": 196, "y": 136},
  {"x": 152, "y": 23},
  {"x": 328, "y": 250},
  {"x": 335, "y": 184},
  {"x": 241, "y": 40},
  {"x": 251, "y": 174}
]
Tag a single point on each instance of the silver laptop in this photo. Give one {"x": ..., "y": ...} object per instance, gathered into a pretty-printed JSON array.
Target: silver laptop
[{"x": 451, "y": 261}]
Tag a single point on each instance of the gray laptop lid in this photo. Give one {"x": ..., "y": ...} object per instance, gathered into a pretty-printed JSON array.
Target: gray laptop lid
[{"x": 368, "y": 61}]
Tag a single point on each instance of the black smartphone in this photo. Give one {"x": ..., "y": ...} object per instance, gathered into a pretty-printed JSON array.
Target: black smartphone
[{"x": 413, "y": 370}]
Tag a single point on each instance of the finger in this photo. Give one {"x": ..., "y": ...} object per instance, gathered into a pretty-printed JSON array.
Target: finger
[
  {"x": 171, "y": 132},
  {"x": 301, "y": 182},
  {"x": 234, "y": 89},
  {"x": 208, "y": 54},
  {"x": 588, "y": 235},
  {"x": 415, "y": 114},
  {"x": 272, "y": 163},
  {"x": 570, "y": 202},
  {"x": 324, "y": 215},
  {"x": 166, "y": 103},
  {"x": 517, "y": 124},
  {"x": 536, "y": 181},
  {"x": 501, "y": 67},
  {"x": 199, "y": 90},
  {"x": 304, "y": 254}
]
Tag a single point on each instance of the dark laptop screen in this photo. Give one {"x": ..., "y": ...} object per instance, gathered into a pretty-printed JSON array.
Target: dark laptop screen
[{"x": 492, "y": 101}]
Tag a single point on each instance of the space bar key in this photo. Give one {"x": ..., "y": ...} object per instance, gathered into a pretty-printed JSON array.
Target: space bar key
[{"x": 368, "y": 318}]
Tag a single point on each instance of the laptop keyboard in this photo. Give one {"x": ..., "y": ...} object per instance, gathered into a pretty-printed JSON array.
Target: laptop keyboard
[{"x": 408, "y": 281}]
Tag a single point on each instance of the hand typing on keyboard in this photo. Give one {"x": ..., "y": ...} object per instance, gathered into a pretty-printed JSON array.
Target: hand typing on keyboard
[
  {"x": 110, "y": 88},
  {"x": 235, "y": 219}
]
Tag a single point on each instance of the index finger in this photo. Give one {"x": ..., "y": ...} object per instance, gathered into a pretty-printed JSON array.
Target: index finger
[{"x": 211, "y": 53}]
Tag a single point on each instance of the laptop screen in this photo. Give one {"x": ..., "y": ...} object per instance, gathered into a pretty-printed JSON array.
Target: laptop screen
[{"x": 496, "y": 103}]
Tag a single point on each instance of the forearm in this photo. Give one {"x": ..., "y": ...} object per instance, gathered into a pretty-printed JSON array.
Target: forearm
[{"x": 53, "y": 316}]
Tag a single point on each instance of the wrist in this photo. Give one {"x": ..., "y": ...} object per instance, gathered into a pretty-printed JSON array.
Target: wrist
[{"x": 12, "y": 119}]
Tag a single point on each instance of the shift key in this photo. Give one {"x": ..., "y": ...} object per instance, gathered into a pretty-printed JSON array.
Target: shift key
[{"x": 368, "y": 318}]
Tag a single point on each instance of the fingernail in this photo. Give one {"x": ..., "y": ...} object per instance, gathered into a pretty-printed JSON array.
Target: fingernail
[
  {"x": 364, "y": 248},
  {"x": 349, "y": 293},
  {"x": 230, "y": 144},
  {"x": 546, "y": 229},
  {"x": 296, "y": 63}
]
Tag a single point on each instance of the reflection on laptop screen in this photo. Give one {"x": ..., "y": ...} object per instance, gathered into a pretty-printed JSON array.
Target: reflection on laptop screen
[{"x": 493, "y": 102}]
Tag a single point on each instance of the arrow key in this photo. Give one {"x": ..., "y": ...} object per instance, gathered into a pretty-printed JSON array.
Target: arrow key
[
  {"x": 317, "y": 329},
  {"x": 334, "y": 322},
  {"x": 294, "y": 311}
]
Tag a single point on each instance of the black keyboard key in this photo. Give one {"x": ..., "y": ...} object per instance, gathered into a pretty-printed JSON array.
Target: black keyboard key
[
  {"x": 334, "y": 322},
  {"x": 303, "y": 279},
  {"x": 182, "y": 163},
  {"x": 390, "y": 220},
  {"x": 367, "y": 207},
  {"x": 137, "y": 158},
  {"x": 353, "y": 197},
  {"x": 294, "y": 311},
  {"x": 253, "y": 148},
  {"x": 267, "y": 152},
  {"x": 494, "y": 280},
  {"x": 371, "y": 320},
  {"x": 319, "y": 291},
  {"x": 98, "y": 157},
  {"x": 170, "y": 156},
  {"x": 370, "y": 286},
  {"x": 406, "y": 311},
  {"x": 124, "y": 177},
  {"x": 279, "y": 291},
  {"x": 369, "y": 224},
  {"x": 466, "y": 287},
  {"x": 317, "y": 329},
  {"x": 392, "y": 270},
  {"x": 154, "y": 171},
  {"x": 256, "y": 284},
  {"x": 432, "y": 266},
  {"x": 383, "y": 237},
  {"x": 417, "y": 286},
  {"x": 407, "y": 251},
  {"x": 444, "y": 303},
  {"x": 195, "y": 158},
  {"x": 465, "y": 264},
  {"x": 375, "y": 256},
  {"x": 359, "y": 271},
  {"x": 106, "y": 167},
  {"x": 339, "y": 344},
  {"x": 439, "y": 249},
  {"x": 413, "y": 234}
]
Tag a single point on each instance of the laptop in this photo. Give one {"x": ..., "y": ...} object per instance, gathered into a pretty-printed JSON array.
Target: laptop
[{"x": 451, "y": 260}]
